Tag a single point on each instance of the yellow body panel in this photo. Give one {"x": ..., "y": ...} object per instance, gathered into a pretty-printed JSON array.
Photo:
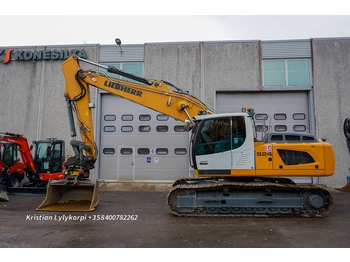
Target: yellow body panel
[{"x": 268, "y": 162}]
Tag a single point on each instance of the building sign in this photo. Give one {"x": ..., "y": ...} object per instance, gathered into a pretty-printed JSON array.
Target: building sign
[{"x": 7, "y": 55}]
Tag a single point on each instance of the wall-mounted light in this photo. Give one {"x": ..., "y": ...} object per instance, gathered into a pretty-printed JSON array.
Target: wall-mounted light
[{"x": 119, "y": 43}]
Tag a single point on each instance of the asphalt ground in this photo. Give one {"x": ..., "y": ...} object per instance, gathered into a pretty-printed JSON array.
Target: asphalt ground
[{"x": 143, "y": 220}]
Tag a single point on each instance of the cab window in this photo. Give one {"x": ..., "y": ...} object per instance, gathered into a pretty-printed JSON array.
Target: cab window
[
  {"x": 214, "y": 136},
  {"x": 219, "y": 135},
  {"x": 238, "y": 131}
]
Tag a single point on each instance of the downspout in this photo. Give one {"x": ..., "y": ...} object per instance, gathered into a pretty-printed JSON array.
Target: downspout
[{"x": 41, "y": 101}]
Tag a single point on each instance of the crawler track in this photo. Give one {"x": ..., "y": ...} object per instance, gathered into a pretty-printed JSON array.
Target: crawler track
[{"x": 201, "y": 197}]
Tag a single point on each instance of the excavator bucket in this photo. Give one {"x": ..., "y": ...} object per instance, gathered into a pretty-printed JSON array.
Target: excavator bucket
[
  {"x": 3, "y": 193},
  {"x": 62, "y": 196}
]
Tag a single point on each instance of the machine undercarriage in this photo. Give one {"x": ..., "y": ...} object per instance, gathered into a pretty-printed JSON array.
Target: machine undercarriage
[{"x": 247, "y": 197}]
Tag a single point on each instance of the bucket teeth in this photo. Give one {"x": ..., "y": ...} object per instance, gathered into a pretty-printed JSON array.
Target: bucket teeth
[{"x": 62, "y": 196}]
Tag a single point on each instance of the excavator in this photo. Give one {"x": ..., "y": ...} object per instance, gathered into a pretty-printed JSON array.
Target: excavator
[
  {"x": 236, "y": 175},
  {"x": 47, "y": 162}
]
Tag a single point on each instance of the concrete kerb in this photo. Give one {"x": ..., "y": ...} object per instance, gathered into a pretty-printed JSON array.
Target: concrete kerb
[{"x": 135, "y": 186}]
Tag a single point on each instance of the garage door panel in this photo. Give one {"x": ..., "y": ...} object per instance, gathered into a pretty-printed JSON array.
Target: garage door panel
[
  {"x": 286, "y": 111},
  {"x": 160, "y": 145}
]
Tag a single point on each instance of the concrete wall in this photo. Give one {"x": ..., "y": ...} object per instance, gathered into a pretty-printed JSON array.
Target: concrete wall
[
  {"x": 31, "y": 97},
  {"x": 178, "y": 64},
  {"x": 229, "y": 66},
  {"x": 204, "y": 67},
  {"x": 331, "y": 77},
  {"x": 19, "y": 97}
]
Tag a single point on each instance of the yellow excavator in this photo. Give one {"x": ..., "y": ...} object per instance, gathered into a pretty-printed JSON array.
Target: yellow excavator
[{"x": 236, "y": 175}]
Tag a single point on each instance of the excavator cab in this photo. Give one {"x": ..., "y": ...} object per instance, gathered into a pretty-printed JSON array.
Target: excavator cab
[
  {"x": 48, "y": 158},
  {"x": 11, "y": 169},
  {"x": 11, "y": 159}
]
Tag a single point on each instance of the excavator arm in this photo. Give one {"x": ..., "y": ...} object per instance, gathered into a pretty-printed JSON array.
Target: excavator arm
[
  {"x": 156, "y": 95},
  {"x": 75, "y": 194}
]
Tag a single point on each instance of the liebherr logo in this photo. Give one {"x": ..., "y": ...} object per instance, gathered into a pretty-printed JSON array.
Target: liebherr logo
[{"x": 7, "y": 55}]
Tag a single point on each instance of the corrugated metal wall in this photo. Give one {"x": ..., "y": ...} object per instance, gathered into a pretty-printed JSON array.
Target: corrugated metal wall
[
  {"x": 127, "y": 53},
  {"x": 286, "y": 49}
]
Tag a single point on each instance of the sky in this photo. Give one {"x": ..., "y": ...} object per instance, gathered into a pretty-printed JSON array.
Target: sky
[{"x": 101, "y": 21}]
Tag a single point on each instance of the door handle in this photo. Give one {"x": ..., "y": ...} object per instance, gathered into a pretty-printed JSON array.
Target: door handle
[{"x": 203, "y": 163}]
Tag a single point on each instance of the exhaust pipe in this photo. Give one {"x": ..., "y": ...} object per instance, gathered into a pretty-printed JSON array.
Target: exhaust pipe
[{"x": 62, "y": 196}]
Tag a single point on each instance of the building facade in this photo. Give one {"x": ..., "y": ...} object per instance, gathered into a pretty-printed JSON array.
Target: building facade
[{"x": 293, "y": 85}]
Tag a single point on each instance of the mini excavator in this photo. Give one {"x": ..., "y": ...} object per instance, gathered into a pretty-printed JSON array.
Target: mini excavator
[{"x": 46, "y": 164}]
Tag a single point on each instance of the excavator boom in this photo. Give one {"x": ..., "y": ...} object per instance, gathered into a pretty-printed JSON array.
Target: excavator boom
[{"x": 175, "y": 103}]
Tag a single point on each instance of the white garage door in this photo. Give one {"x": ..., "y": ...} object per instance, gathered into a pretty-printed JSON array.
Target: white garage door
[
  {"x": 140, "y": 144},
  {"x": 279, "y": 111}
]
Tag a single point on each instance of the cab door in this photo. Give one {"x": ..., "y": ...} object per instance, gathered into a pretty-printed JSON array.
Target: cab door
[
  {"x": 212, "y": 147},
  {"x": 224, "y": 146}
]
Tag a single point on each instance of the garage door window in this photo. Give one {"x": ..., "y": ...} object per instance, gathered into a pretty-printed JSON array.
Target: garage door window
[
  {"x": 162, "y": 151},
  {"x": 280, "y": 128},
  {"x": 143, "y": 151},
  {"x": 261, "y": 116},
  {"x": 127, "y": 128},
  {"x": 110, "y": 117},
  {"x": 280, "y": 116},
  {"x": 108, "y": 151},
  {"x": 127, "y": 117},
  {"x": 126, "y": 151},
  {"x": 144, "y": 128},
  {"x": 145, "y": 117},
  {"x": 179, "y": 128},
  {"x": 299, "y": 128},
  {"x": 109, "y": 128},
  {"x": 162, "y": 117},
  {"x": 260, "y": 128},
  {"x": 180, "y": 151},
  {"x": 299, "y": 116},
  {"x": 162, "y": 128}
]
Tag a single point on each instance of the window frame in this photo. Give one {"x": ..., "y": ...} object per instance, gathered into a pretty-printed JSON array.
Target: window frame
[
  {"x": 120, "y": 66},
  {"x": 287, "y": 86}
]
